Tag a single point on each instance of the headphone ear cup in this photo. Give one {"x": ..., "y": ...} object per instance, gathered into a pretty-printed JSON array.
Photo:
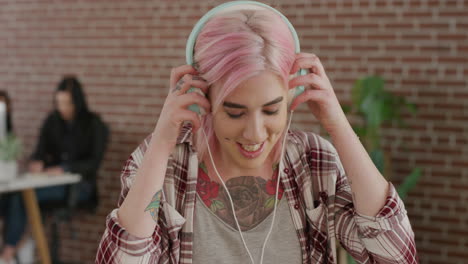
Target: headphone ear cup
[
  {"x": 194, "y": 107},
  {"x": 293, "y": 93}
]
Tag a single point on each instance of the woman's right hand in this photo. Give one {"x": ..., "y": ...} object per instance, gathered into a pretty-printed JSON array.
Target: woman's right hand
[{"x": 175, "y": 109}]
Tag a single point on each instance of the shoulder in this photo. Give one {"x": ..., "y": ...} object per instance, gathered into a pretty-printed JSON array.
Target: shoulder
[
  {"x": 315, "y": 155},
  {"x": 315, "y": 161},
  {"x": 312, "y": 144},
  {"x": 51, "y": 117},
  {"x": 95, "y": 122},
  {"x": 51, "y": 120},
  {"x": 95, "y": 118}
]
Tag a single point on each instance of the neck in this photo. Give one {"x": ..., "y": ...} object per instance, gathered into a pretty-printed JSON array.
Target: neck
[{"x": 227, "y": 171}]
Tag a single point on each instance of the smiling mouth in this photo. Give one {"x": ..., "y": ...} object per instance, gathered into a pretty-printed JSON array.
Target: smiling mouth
[
  {"x": 251, "y": 151},
  {"x": 251, "y": 148}
]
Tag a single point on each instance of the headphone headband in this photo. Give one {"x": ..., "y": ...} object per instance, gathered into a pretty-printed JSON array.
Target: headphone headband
[{"x": 229, "y": 6}]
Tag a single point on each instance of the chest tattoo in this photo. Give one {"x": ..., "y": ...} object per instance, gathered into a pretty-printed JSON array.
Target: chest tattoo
[{"x": 253, "y": 198}]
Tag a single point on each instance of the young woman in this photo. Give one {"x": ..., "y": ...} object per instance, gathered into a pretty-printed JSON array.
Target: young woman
[
  {"x": 72, "y": 139},
  {"x": 237, "y": 186}
]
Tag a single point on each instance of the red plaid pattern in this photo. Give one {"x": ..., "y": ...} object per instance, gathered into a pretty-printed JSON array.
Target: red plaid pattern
[{"x": 318, "y": 195}]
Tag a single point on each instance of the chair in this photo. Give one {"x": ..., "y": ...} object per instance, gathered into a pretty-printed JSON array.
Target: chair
[{"x": 63, "y": 211}]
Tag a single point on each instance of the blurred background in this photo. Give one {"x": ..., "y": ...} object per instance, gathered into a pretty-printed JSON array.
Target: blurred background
[{"x": 123, "y": 50}]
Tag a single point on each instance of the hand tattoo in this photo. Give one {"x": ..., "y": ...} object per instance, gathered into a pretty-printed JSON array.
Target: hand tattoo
[
  {"x": 198, "y": 78},
  {"x": 179, "y": 85},
  {"x": 153, "y": 207}
]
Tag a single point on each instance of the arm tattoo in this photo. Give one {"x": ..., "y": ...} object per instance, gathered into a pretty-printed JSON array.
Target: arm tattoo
[{"x": 153, "y": 206}]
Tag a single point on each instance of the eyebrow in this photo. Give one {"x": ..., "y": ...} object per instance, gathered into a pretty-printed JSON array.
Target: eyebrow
[{"x": 234, "y": 105}]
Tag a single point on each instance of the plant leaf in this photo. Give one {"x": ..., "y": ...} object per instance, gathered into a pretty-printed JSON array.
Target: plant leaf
[
  {"x": 409, "y": 182},
  {"x": 346, "y": 108},
  {"x": 10, "y": 148},
  {"x": 356, "y": 92},
  {"x": 375, "y": 84},
  {"x": 377, "y": 157},
  {"x": 412, "y": 108},
  {"x": 360, "y": 131},
  {"x": 373, "y": 111}
]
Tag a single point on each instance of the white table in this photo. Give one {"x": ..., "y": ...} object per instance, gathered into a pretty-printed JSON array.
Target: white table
[{"x": 26, "y": 184}]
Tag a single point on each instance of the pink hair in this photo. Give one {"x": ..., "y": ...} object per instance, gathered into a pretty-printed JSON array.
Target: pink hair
[{"x": 238, "y": 45}]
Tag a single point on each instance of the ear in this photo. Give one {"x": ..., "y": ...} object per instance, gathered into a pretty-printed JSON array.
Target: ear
[
  {"x": 293, "y": 92},
  {"x": 296, "y": 91},
  {"x": 291, "y": 96}
]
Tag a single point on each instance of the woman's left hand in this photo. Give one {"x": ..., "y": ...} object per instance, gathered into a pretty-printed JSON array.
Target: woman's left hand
[{"x": 319, "y": 93}]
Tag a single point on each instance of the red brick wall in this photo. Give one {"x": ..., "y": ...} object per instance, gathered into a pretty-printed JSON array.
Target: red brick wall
[{"x": 123, "y": 51}]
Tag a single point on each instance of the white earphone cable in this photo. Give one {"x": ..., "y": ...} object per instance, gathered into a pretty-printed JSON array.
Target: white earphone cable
[
  {"x": 229, "y": 196},
  {"x": 280, "y": 169}
]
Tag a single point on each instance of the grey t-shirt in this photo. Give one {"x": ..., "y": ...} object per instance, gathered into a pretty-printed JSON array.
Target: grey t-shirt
[{"x": 216, "y": 242}]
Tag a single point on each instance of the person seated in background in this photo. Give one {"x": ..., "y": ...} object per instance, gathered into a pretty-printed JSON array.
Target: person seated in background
[
  {"x": 6, "y": 100},
  {"x": 72, "y": 140}
]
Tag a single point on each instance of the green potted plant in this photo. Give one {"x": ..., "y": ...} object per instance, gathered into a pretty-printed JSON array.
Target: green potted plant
[
  {"x": 10, "y": 149},
  {"x": 374, "y": 106}
]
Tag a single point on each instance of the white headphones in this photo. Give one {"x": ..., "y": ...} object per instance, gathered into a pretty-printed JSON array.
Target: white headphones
[{"x": 228, "y": 7}]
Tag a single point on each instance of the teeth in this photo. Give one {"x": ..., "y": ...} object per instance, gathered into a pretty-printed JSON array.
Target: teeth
[{"x": 251, "y": 147}]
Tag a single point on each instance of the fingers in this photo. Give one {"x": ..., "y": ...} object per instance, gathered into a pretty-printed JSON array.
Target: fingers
[
  {"x": 178, "y": 72},
  {"x": 308, "y": 61},
  {"x": 188, "y": 81},
  {"x": 313, "y": 95},
  {"x": 178, "y": 111},
  {"x": 192, "y": 117},
  {"x": 193, "y": 98},
  {"x": 308, "y": 79},
  {"x": 182, "y": 79}
]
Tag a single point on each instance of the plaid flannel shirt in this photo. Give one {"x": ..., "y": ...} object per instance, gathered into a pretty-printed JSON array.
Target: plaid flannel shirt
[{"x": 319, "y": 199}]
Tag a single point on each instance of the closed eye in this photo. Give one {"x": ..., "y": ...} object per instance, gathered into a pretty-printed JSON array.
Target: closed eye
[
  {"x": 232, "y": 105},
  {"x": 234, "y": 116},
  {"x": 271, "y": 112}
]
